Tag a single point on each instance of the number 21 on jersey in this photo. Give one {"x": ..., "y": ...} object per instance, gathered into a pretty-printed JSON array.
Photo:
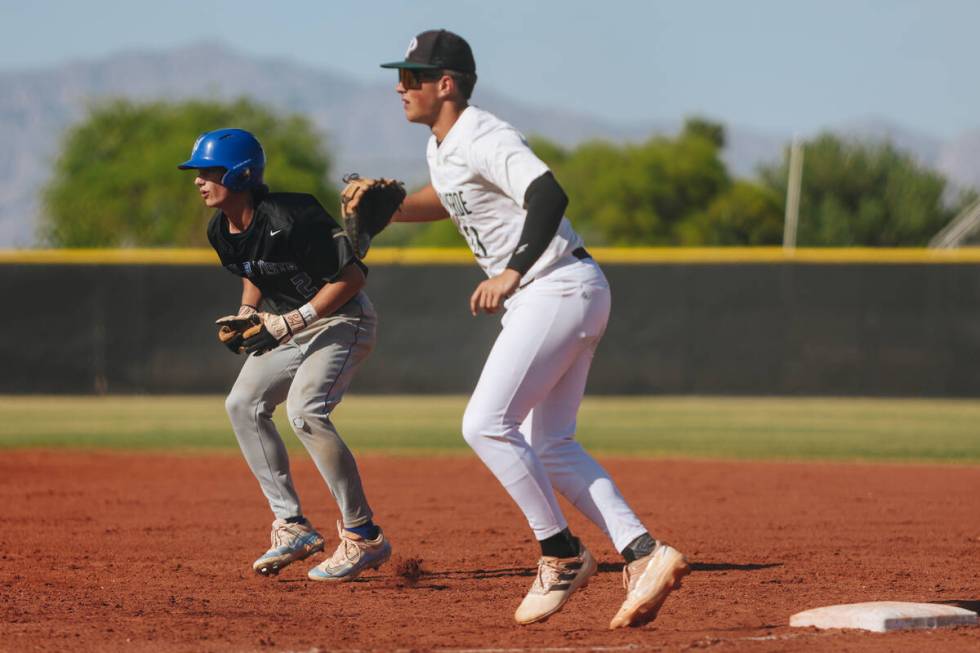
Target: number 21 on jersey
[{"x": 472, "y": 238}]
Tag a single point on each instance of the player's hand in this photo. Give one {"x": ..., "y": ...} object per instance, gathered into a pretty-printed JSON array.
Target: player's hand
[
  {"x": 232, "y": 327},
  {"x": 489, "y": 296},
  {"x": 272, "y": 331}
]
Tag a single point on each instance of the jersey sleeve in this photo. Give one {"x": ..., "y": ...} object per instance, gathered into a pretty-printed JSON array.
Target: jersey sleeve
[
  {"x": 321, "y": 247},
  {"x": 504, "y": 158}
]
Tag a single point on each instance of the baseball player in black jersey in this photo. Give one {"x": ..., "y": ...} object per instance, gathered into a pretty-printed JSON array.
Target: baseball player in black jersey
[{"x": 318, "y": 327}]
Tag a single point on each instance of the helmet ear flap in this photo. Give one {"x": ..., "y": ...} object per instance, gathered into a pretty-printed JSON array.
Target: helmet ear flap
[{"x": 242, "y": 177}]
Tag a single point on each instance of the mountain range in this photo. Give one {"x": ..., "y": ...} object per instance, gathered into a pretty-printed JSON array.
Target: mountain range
[{"x": 363, "y": 124}]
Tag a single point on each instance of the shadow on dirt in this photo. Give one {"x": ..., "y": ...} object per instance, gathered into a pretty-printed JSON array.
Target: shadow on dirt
[
  {"x": 604, "y": 568},
  {"x": 480, "y": 574},
  {"x": 733, "y": 566},
  {"x": 966, "y": 604}
]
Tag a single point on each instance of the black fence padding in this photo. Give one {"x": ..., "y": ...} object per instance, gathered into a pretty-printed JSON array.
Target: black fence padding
[{"x": 746, "y": 329}]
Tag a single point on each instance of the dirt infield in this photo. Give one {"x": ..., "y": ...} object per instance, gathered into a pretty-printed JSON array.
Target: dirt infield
[{"x": 125, "y": 552}]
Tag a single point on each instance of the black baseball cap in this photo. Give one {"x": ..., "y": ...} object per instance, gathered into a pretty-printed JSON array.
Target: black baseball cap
[{"x": 437, "y": 49}]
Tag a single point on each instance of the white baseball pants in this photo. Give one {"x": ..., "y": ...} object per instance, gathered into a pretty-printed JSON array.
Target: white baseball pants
[{"x": 521, "y": 418}]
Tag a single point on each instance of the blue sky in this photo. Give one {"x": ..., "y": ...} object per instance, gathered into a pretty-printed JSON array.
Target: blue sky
[{"x": 778, "y": 65}]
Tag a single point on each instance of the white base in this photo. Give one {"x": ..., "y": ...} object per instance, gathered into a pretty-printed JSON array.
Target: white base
[{"x": 884, "y": 616}]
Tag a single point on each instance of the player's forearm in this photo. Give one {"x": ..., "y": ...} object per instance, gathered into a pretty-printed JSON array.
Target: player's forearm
[
  {"x": 274, "y": 329},
  {"x": 334, "y": 295},
  {"x": 546, "y": 203},
  {"x": 251, "y": 295},
  {"x": 421, "y": 206}
]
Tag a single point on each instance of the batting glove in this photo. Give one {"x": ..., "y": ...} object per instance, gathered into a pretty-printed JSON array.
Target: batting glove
[{"x": 274, "y": 330}]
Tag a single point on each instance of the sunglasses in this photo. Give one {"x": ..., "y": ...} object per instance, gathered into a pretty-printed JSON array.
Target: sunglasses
[{"x": 412, "y": 79}]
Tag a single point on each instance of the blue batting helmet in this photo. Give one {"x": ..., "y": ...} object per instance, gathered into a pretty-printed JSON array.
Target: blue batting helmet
[{"x": 235, "y": 150}]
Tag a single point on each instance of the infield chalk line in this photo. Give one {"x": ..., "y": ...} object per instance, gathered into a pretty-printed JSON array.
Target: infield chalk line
[
  {"x": 569, "y": 649},
  {"x": 532, "y": 649},
  {"x": 546, "y": 649},
  {"x": 624, "y": 647}
]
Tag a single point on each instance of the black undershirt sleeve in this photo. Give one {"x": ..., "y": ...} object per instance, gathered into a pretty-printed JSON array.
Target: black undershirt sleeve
[{"x": 545, "y": 201}]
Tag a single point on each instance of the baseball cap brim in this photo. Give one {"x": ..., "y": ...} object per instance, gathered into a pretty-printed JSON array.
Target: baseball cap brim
[{"x": 411, "y": 65}]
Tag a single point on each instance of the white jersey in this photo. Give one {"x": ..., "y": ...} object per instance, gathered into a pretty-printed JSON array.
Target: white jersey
[
  {"x": 539, "y": 363},
  {"x": 481, "y": 172}
]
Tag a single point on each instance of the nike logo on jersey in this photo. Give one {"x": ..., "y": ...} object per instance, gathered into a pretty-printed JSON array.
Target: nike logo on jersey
[
  {"x": 521, "y": 248},
  {"x": 273, "y": 233}
]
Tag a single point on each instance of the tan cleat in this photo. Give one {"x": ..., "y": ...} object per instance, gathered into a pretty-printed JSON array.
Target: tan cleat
[
  {"x": 648, "y": 581},
  {"x": 557, "y": 579},
  {"x": 354, "y": 554}
]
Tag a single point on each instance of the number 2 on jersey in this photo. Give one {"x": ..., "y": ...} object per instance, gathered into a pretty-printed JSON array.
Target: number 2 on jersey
[{"x": 304, "y": 284}]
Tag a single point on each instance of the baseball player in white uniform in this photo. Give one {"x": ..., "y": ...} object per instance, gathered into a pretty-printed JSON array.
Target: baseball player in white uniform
[{"x": 521, "y": 417}]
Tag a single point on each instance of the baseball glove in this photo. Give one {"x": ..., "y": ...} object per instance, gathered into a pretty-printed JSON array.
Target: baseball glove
[{"x": 366, "y": 207}]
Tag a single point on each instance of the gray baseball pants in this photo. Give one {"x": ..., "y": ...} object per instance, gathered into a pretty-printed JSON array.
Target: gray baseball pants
[{"x": 310, "y": 373}]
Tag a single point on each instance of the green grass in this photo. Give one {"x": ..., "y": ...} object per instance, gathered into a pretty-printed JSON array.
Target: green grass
[{"x": 690, "y": 427}]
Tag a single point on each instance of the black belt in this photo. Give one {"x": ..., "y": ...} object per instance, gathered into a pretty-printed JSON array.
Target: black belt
[{"x": 579, "y": 252}]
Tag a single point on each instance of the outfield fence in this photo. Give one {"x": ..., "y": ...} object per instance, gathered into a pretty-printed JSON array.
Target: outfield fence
[{"x": 881, "y": 322}]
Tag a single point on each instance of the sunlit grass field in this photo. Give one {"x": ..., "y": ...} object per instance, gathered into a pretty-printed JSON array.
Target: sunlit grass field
[{"x": 680, "y": 427}]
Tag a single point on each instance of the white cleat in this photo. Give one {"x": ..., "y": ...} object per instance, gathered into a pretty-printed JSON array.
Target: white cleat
[
  {"x": 648, "y": 581},
  {"x": 557, "y": 579}
]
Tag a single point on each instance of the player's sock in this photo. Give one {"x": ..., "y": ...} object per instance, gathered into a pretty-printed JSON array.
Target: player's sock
[
  {"x": 298, "y": 519},
  {"x": 368, "y": 531},
  {"x": 641, "y": 546},
  {"x": 560, "y": 545}
]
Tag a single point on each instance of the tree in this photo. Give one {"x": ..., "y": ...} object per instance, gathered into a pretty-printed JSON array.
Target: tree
[
  {"x": 640, "y": 194},
  {"x": 665, "y": 191},
  {"x": 116, "y": 181},
  {"x": 713, "y": 131},
  {"x": 744, "y": 214},
  {"x": 870, "y": 194}
]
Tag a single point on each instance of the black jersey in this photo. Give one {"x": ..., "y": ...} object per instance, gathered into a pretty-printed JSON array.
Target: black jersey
[{"x": 290, "y": 251}]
